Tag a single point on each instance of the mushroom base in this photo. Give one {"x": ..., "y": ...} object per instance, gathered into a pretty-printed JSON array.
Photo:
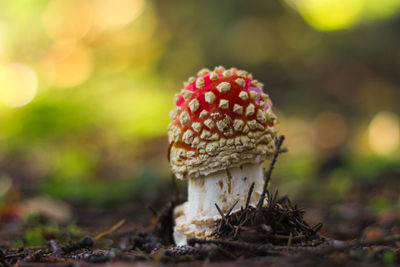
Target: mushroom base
[{"x": 197, "y": 216}]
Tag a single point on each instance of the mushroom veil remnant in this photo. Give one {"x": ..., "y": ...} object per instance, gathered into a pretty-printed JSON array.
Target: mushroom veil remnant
[{"x": 222, "y": 130}]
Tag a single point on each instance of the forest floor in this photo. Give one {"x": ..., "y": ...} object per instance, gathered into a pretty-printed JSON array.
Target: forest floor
[
  {"x": 128, "y": 243},
  {"x": 276, "y": 232}
]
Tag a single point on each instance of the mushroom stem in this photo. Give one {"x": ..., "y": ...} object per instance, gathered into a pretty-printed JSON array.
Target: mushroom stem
[{"x": 197, "y": 216}]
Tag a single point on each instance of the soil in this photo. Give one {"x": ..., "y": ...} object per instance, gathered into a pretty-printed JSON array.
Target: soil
[
  {"x": 255, "y": 245},
  {"x": 275, "y": 233}
]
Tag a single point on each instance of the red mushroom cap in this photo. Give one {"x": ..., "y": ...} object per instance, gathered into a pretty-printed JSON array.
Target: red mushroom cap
[{"x": 222, "y": 119}]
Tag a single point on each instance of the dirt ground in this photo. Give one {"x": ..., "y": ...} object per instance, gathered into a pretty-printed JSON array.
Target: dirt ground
[
  {"x": 279, "y": 233},
  {"x": 145, "y": 240}
]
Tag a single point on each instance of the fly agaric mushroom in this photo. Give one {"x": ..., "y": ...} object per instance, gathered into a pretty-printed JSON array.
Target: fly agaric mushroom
[{"x": 222, "y": 130}]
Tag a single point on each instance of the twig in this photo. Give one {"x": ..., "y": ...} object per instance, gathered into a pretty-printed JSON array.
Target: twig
[
  {"x": 278, "y": 150},
  {"x": 16, "y": 255},
  {"x": 242, "y": 219},
  {"x": 223, "y": 216},
  {"x": 249, "y": 195},
  {"x": 317, "y": 227},
  {"x": 109, "y": 231},
  {"x": 231, "y": 208}
]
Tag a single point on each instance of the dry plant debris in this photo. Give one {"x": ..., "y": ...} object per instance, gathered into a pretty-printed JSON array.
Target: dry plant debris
[{"x": 279, "y": 222}]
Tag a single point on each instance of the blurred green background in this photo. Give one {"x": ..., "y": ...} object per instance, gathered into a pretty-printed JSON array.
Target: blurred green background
[{"x": 86, "y": 87}]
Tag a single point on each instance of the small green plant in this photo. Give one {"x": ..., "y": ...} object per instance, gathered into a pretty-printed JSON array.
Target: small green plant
[{"x": 38, "y": 232}]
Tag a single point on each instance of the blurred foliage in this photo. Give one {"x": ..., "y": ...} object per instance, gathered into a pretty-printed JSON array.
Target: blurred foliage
[
  {"x": 37, "y": 232},
  {"x": 86, "y": 86}
]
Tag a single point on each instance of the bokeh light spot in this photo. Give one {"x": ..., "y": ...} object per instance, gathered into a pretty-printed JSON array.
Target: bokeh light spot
[
  {"x": 329, "y": 15},
  {"x": 70, "y": 64},
  {"x": 18, "y": 84},
  {"x": 2, "y": 43},
  {"x": 68, "y": 19},
  {"x": 113, "y": 14},
  {"x": 384, "y": 133}
]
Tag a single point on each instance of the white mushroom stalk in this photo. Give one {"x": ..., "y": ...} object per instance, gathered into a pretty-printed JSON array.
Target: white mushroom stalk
[
  {"x": 197, "y": 216},
  {"x": 222, "y": 131}
]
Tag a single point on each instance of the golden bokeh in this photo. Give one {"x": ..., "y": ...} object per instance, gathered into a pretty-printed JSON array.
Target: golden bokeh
[
  {"x": 69, "y": 63},
  {"x": 133, "y": 45},
  {"x": 112, "y": 14},
  {"x": 384, "y": 133},
  {"x": 68, "y": 19},
  {"x": 332, "y": 15},
  {"x": 18, "y": 84},
  {"x": 2, "y": 44}
]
